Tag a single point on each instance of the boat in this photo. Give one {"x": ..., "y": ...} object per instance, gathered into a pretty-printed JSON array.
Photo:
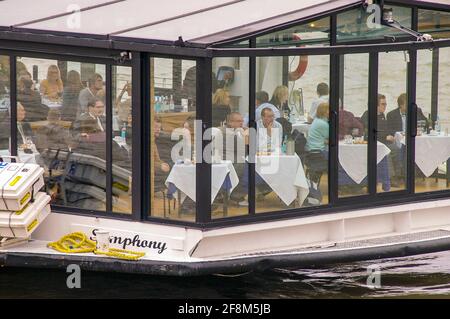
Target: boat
[{"x": 117, "y": 111}]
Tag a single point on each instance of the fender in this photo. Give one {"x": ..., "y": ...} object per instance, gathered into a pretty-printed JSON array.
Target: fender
[{"x": 302, "y": 65}]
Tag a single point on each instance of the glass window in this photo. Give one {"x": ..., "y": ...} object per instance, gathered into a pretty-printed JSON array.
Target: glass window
[
  {"x": 122, "y": 124},
  {"x": 353, "y": 125},
  {"x": 173, "y": 122},
  {"x": 61, "y": 125},
  {"x": 309, "y": 34},
  {"x": 392, "y": 88},
  {"x": 292, "y": 115},
  {"x": 436, "y": 23},
  {"x": 230, "y": 137},
  {"x": 358, "y": 25},
  {"x": 5, "y": 102},
  {"x": 241, "y": 44},
  {"x": 432, "y": 172}
]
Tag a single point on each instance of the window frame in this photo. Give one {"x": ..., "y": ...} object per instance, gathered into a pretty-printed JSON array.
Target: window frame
[{"x": 141, "y": 126}]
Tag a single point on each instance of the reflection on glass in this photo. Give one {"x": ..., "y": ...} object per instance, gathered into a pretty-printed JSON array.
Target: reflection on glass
[
  {"x": 122, "y": 139},
  {"x": 61, "y": 126},
  {"x": 353, "y": 125},
  {"x": 292, "y": 115},
  {"x": 358, "y": 25},
  {"x": 173, "y": 114},
  {"x": 230, "y": 137},
  {"x": 436, "y": 23},
  {"x": 392, "y": 86},
  {"x": 5, "y": 103},
  {"x": 309, "y": 34},
  {"x": 432, "y": 172}
]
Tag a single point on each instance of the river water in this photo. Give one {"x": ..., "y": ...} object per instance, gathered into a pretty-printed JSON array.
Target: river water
[{"x": 424, "y": 276}]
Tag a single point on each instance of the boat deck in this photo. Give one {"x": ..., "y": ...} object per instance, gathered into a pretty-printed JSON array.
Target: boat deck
[{"x": 36, "y": 254}]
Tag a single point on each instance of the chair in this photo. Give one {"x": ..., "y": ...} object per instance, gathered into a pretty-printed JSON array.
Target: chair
[
  {"x": 316, "y": 166},
  {"x": 163, "y": 190},
  {"x": 300, "y": 143}
]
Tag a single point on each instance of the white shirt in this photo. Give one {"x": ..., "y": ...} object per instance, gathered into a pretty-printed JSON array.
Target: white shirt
[
  {"x": 276, "y": 111},
  {"x": 99, "y": 122},
  {"x": 315, "y": 104},
  {"x": 266, "y": 142}
]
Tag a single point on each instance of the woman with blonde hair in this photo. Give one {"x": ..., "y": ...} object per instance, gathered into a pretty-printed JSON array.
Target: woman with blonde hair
[
  {"x": 319, "y": 132},
  {"x": 52, "y": 86},
  {"x": 280, "y": 97},
  {"x": 221, "y": 107}
]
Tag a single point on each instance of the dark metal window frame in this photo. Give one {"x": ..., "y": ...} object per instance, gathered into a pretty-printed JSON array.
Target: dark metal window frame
[
  {"x": 107, "y": 54},
  {"x": 109, "y": 61},
  {"x": 203, "y": 220},
  {"x": 373, "y": 198}
]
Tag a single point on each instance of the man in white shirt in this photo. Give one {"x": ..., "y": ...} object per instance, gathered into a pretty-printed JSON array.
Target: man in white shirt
[
  {"x": 322, "y": 97},
  {"x": 269, "y": 132}
]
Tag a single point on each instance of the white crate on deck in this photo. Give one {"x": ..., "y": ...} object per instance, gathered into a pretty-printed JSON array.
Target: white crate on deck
[
  {"x": 19, "y": 182},
  {"x": 20, "y": 224}
]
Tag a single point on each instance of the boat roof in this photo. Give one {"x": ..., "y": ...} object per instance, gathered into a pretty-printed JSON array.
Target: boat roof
[{"x": 196, "y": 22}]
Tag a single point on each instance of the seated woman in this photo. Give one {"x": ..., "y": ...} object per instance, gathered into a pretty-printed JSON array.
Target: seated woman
[
  {"x": 319, "y": 132},
  {"x": 71, "y": 103},
  {"x": 279, "y": 99},
  {"x": 52, "y": 87},
  {"x": 31, "y": 100},
  {"x": 221, "y": 107}
]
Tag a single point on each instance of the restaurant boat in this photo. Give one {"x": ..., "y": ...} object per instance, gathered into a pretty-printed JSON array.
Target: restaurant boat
[{"x": 124, "y": 105}]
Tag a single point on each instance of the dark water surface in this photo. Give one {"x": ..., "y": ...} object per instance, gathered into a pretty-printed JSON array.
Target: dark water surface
[{"x": 418, "y": 276}]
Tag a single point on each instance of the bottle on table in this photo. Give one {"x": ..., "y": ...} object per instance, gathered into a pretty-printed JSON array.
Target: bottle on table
[
  {"x": 430, "y": 124},
  {"x": 437, "y": 125},
  {"x": 123, "y": 133},
  {"x": 284, "y": 146},
  {"x": 171, "y": 104}
]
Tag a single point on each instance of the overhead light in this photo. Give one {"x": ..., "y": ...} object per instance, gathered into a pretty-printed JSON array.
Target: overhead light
[{"x": 312, "y": 25}]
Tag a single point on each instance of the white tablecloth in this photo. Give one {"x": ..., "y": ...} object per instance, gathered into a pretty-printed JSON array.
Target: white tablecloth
[
  {"x": 302, "y": 127},
  {"x": 431, "y": 151},
  {"x": 183, "y": 177},
  {"x": 285, "y": 175},
  {"x": 353, "y": 159}
]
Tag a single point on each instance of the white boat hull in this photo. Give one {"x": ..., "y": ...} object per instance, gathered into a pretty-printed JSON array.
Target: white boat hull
[{"x": 390, "y": 231}]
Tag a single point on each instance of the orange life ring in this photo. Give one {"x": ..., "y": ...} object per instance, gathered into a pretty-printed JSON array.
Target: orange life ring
[{"x": 301, "y": 67}]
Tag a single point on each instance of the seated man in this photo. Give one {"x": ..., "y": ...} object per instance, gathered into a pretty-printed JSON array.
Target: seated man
[
  {"x": 161, "y": 169},
  {"x": 94, "y": 117},
  {"x": 93, "y": 91},
  {"x": 31, "y": 100},
  {"x": 322, "y": 96},
  {"x": 269, "y": 132},
  {"x": 397, "y": 123},
  {"x": 90, "y": 132},
  {"x": 383, "y": 134},
  {"x": 25, "y": 138},
  {"x": 53, "y": 135},
  {"x": 234, "y": 145},
  {"x": 349, "y": 124},
  {"x": 397, "y": 119}
]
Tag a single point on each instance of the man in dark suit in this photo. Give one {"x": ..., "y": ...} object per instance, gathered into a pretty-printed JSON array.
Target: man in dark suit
[
  {"x": 397, "y": 122},
  {"x": 397, "y": 119},
  {"x": 383, "y": 134},
  {"x": 24, "y": 131},
  {"x": 94, "y": 117}
]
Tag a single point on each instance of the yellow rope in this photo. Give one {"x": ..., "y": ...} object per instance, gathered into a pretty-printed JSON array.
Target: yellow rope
[{"x": 79, "y": 243}]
